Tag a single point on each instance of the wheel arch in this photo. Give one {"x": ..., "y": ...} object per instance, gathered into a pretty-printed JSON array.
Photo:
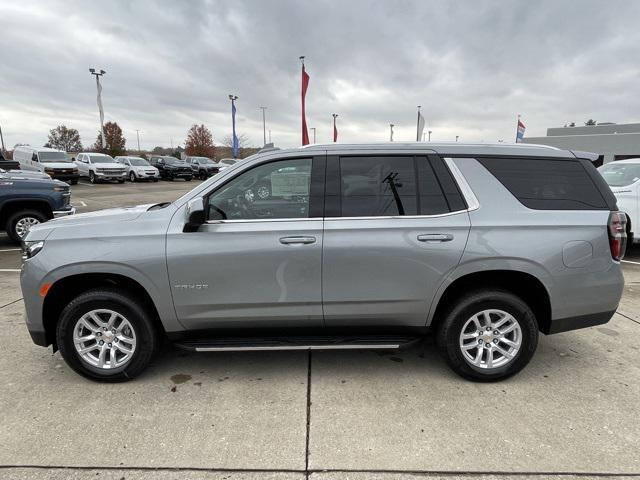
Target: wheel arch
[
  {"x": 525, "y": 285},
  {"x": 10, "y": 207},
  {"x": 63, "y": 290}
]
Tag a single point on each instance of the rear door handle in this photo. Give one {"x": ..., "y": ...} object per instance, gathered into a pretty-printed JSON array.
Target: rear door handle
[
  {"x": 295, "y": 240},
  {"x": 435, "y": 237}
]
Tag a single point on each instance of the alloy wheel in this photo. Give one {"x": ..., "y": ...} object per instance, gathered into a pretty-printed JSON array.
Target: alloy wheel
[
  {"x": 24, "y": 224},
  {"x": 104, "y": 339},
  {"x": 490, "y": 339}
]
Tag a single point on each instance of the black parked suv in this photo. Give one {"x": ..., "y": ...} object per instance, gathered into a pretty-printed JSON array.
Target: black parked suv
[
  {"x": 171, "y": 168},
  {"x": 25, "y": 202}
]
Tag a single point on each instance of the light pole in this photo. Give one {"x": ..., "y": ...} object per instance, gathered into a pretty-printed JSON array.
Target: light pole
[
  {"x": 457, "y": 136},
  {"x": 1, "y": 141},
  {"x": 430, "y": 135},
  {"x": 138, "y": 135},
  {"x": 314, "y": 133},
  {"x": 391, "y": 125},
  {"x": 234, "y": 137},
  {"x": 98, "y": 74},
  {"x": 264, "y": 125},
  {"x": 269, "y": 135}
]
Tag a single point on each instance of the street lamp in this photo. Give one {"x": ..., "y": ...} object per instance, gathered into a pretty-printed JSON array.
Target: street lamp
[
  {"x": 430, "y": 131},
  {"x": 98, "y": 74},
  {"x": 264, "y": 126},
  {"x": 391, "y": 125},
  {"x": 457, "y": 136},
  {"x": 138, "y": 135},
  {"x": 314, "y": 133}
]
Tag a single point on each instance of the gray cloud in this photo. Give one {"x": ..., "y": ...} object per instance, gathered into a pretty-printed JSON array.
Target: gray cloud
[{"x": 472, "y": 66}]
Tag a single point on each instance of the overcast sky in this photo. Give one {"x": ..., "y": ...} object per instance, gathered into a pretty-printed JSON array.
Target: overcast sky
[{"x": 473, "y": 66}]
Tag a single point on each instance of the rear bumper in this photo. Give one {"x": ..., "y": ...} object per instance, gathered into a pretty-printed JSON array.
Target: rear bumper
[{"x": 574, "y": 323}]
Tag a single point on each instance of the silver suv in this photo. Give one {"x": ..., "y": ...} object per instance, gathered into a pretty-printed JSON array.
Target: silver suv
[{"x": 356, "y": 246}]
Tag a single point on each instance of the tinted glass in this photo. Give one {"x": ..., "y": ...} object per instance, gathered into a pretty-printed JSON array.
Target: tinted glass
[
  {"x": 546, "y": 184},
  {"x": 273, "y": 190},
  {"x": 621, "y": 174},
  {"x": 431, "y": 200},
  {"x": 138, "y": 162},
  {"x": 377, "y": 186},
  {"x": 101, "y": 159},
  {"x": 58, "y": 157}
]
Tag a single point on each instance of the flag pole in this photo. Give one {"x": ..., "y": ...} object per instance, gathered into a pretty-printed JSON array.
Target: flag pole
[
  {"x": 418, "y": 126},
  {"x": 517, "y": 125}
]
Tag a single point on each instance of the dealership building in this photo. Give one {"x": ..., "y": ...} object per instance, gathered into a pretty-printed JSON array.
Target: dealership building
[{"x": 612, "y": 141}]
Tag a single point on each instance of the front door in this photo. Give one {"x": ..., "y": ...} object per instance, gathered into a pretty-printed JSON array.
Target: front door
[
  {"x": 257, "y": 260},
  {"x": 394, "y": 230}
]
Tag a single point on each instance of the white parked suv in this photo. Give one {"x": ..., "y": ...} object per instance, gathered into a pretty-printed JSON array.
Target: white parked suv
[
  {"x": 100, "y": 167},
  {"x": 623, "y": 176},
  {"x": 137, "y": 168}
]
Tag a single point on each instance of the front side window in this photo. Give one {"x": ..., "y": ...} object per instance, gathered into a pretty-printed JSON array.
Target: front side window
[
  {"x": 270, "y": 191},
  {"x": 101, "y": 159},
  {"x": 58, "y": 157},
  {"x": 389, "y": 186}
]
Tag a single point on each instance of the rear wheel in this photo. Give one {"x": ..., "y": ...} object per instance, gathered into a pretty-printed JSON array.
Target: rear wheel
[
  {"x": 19, "y": 223},
  {"x": 105, "y": 335},
  {"x": 488, "y": 335}
]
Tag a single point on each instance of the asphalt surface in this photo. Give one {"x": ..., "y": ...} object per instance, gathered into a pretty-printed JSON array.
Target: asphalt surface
[{"x": 572, "y": 413}]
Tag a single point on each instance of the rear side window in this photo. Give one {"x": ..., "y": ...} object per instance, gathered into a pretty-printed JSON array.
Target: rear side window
[
  {"x": 546, "y": 184},
  {"x": 372, "y": 186}
]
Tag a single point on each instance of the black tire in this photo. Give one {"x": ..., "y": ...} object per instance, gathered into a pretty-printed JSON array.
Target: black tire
[
  {"x": 132, "y": 177},
  {"x": 449, "y": 330},
  {"x": 147, "y": 338},
  {"x": 187, "y": 179},
  {"x": 121, "y": 181},
  {"x": 203, "y": 175},
  {"x": 170, "y": 178},
  {"x": 12, "y": 222},
  {"x": 92, "y": 177},
  {"x": 155, "y": 180},
  {"x": 74, "y": 182}
]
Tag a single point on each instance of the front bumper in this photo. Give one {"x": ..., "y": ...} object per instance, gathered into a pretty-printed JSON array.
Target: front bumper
[
  {"x": 64, "y": 213},
  {"x": 111, "y": 176},
  {"x": 65, "y": 177},
  {"x": 145, "y": 175}
]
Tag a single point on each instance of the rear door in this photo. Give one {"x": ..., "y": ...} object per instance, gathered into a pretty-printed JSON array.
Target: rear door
[{"x": 395, "y": 227}]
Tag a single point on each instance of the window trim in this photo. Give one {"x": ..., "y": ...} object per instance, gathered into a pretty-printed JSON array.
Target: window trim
[{"x": 316, "y": 192}]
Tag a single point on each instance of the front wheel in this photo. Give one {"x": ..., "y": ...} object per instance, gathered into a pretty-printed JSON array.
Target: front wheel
[
  {"x": 92, "y": 177},
  {"x": 132, "y": 177},
  {"x": 187, "y": 179},
  {"x": 19, "y": 223},
  {"x": 105, "y": 335},
  {"x": 488, "y": 335}
]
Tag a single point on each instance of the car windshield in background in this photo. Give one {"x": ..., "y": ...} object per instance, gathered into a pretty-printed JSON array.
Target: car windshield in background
[
  {"x": 138, "y": 162},
  {"x": 621, "y": 174},
  {"x": 50, "y": 157},
  {"x": 171, "y": 160},
  {"x": 228, "y": 161},
  {"x": 204, "y": 160},
  {"x": 101, "y": 159}
]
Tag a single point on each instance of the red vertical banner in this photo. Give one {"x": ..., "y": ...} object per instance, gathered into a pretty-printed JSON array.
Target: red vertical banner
[{"x": 305, "y": 85}]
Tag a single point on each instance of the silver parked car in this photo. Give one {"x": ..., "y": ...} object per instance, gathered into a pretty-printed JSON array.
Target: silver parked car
[
  {"x": 356, "y": 246},
  {"x": 137, "y": 168}
]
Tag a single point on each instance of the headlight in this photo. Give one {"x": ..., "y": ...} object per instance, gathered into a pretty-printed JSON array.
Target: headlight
[
  {"x": 30, "y": 249},
  {"x": 60, "y": 189}
]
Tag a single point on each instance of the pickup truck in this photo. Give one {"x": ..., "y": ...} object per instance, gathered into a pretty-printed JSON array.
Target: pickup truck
[{"x": 26, "y": 201}]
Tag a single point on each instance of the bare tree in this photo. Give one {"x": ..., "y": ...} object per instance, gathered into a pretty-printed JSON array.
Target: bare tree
[
  {"x": 63, "y": 138},
  {"x": 200, "y": 142},
  {"x": 243, "y": 141}
]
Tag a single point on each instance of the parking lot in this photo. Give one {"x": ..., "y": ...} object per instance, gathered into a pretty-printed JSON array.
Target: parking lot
[{"x": 323, "y": 415}]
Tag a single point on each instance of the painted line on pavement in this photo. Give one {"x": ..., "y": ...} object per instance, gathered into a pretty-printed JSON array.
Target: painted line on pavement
[
  {"x": 10, "y": 250},
  {"x": 9, "y": 270},
  {"x": 629, "y": 261}
]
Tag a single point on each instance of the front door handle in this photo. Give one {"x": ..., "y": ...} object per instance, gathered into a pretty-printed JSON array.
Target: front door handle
[
  {"x": 295, "y": 240},
  {"x": 435, "y": 237}
]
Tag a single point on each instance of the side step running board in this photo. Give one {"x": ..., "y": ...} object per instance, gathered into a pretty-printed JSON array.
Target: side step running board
[{"x": 238, "y": 344}]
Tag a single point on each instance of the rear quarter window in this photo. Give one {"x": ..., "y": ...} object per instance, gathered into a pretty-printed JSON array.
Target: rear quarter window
[{"x": 547, "y": 184}]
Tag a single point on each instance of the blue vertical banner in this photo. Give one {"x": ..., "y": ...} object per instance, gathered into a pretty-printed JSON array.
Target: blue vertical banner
[
  {"x": 519, "y": 131},
  {"x": 235, "y": 148}
]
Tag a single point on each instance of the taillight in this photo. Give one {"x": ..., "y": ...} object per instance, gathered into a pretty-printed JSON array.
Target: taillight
[{"x": 617, "y": 228}]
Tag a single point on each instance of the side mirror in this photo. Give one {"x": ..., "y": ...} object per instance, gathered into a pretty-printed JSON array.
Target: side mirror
[{"x": 195, "y": 215}]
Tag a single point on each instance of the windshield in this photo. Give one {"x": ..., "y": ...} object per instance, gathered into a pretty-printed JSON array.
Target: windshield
[
  {"x": 138, "y": 162},
  {"x": 171, "y": 160},
  {"x": 50, "y": 157},
  {"x": 101, "y": 159},
  {"x": 204, "y": 160},
  {"x": 620, "y": 174}
]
